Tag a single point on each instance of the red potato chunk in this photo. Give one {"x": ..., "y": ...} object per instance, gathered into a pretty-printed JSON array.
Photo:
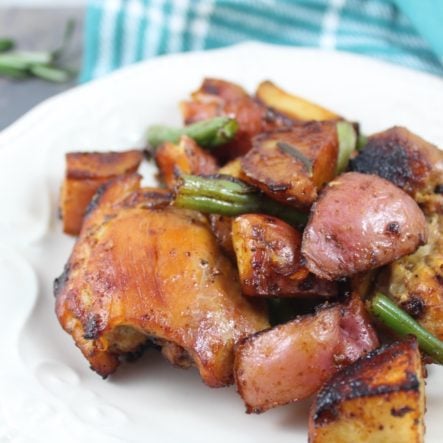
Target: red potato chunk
[
  {"x": 292, "y": 361},
  {"x": 360, "y": 222},
  {"x": 85, "y": 173}
]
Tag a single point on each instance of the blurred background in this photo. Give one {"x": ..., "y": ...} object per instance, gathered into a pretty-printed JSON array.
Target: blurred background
[
  {"x": 37, "y": 25},
  {"x": 49, "y": 46}
]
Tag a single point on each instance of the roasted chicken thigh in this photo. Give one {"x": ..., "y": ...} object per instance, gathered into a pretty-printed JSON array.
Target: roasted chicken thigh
[{"x": 143, "y": 270}]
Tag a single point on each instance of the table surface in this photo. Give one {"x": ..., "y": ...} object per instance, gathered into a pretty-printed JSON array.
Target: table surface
[{"x": 36, "y": 29}]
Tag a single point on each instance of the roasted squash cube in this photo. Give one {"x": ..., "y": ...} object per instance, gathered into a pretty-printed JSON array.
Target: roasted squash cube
[{"x": 85, "y": 172}]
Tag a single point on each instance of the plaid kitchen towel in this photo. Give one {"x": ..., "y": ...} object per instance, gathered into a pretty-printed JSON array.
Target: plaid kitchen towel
[{"x": 120, "y": 32}]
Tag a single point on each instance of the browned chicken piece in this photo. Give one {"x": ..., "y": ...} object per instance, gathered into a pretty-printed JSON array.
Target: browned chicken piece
[
  {"x": 269, "y": 259},
  {"x": 415, "y": 281},
  {"x": 290, "y": 362},
  {"x": 291, "y": 105},
  {"x": 408, "y": 161},
  {"x": 185, "y": 157},
  {"x": 359, "y": 223},
  {"x": 292, "y": 165},
  {"x": 142, "y": 269},
  {"x": 378, "y": 399},
  {"x": 85, "y": 172},
  {"x": 218, "y": 97}
]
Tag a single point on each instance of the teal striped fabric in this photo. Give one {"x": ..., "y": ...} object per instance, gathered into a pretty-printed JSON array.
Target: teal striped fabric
[{"x": 120, "y": 32}]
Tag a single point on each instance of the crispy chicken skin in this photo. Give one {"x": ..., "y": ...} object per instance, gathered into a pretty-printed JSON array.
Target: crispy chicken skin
[
  {"x": 185, "y": 157},
  {"x": 218, "y": 97},
  {"x": 408, "y": 161},
  {"x": 85, "y": 173},
  {"x": 142, "y": 269},
  {"x": 270, "y": 262},
  {"x": 292, "y": 165},
  {"x": 360, "y": 222},
  {"x": 415, "y": 281},
  {"x": 292, "y": 361}
]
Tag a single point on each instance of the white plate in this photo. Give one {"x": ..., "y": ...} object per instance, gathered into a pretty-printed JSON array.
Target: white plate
[{"x": 47, "y": 392}]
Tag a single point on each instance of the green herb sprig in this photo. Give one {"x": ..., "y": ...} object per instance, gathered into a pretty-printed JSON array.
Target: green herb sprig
[{"x": 21, "y": 65}]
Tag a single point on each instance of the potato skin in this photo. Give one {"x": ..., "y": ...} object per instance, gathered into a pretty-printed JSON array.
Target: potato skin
[
  {"x": 185, "y": 157},
  {"x": 291, "y": 361},
  {"x": 292, "y": 165},
  {"x": 269, "y": 259},
  {"x": 360, "y": 222},
  {"x": 288, "y": 362},
  {"x": 378, "y": 399},
  {"x": 291, "y": 105},
  {"x": 85, "y": 173}
]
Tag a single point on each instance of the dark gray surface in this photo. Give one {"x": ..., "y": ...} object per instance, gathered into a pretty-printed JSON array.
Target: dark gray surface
[{"x": 36, "y": 29}]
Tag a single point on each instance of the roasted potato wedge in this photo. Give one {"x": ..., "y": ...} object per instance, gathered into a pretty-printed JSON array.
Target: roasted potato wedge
[
  {"x": 185, "y": 157},
  {"x": 269, "y": 259},
  {"x": 85, "y": 172},
  {"x": 291, "y": 105},
  {"x": 292, "y": 165},
  {"x": 378, "y": 399}
]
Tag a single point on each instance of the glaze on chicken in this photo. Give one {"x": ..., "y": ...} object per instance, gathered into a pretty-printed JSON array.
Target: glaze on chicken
[{"x": 143, "y": 270}]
